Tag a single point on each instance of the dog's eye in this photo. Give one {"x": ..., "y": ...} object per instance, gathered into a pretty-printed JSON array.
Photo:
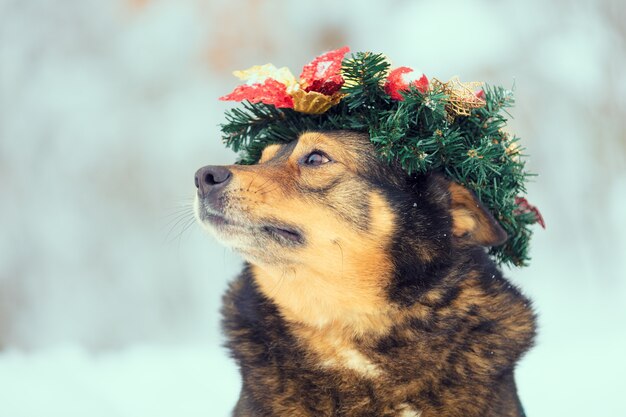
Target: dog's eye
[{"x": 316, "y": 158}]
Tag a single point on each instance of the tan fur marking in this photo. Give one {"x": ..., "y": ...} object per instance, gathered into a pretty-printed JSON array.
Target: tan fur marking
[
  {"x": 462, "y": 222},
  {"x": 470, "y": 219},
  {"x": 269, "y": 152}
]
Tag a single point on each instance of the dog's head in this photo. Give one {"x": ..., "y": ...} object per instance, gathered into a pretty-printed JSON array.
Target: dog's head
[{"x": 326, "y": 203}]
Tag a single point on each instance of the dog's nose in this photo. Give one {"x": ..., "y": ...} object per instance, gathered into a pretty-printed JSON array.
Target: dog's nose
[{"x": 212, "y": 178}]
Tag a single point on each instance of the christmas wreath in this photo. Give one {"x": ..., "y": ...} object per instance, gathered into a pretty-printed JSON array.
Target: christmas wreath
[{"x": 424, "y": 125}]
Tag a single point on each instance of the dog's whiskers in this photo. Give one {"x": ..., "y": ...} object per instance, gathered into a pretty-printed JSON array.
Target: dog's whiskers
[
  {"x": 180, "y": 218},
  {"x": 274, "y": 290},
  {"x": 177, "y": 213},
  {"x": 184, "y": 221},
  {"x": 262, "y": 187},
  {"x": 269, "y": 191},
  {"x": 176, "y": 218},
  {"x": 251, "y": 182},
  {"x": 341, "y": 250},
  {"x": 184, "y": 206}
]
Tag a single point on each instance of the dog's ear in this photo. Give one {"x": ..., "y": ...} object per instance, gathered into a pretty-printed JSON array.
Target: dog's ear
[{"x": 471, "y": 222}]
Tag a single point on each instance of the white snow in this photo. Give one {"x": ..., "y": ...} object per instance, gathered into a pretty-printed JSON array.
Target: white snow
[{"x": 133, "y": 382}]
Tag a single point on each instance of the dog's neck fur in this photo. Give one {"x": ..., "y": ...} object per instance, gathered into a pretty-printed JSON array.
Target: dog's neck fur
[
  {"x": 326, "y": 297},
  {"x": 332, "y": 312},
  {"x": 444, "y": 354}
]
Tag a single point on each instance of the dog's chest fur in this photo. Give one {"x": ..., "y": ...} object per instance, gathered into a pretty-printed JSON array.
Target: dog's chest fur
[{"x": 451, "y": 353}]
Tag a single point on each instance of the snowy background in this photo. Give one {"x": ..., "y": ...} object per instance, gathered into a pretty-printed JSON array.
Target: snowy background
[{"x": 109, "y": 296}]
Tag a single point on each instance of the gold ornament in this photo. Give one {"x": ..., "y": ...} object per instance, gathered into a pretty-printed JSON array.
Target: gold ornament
[
  {"x": 312, "y": 102},
  {"x": 462, "y": 98},
  {"x": 259, "y": 73},
  {"x": 513, "y": 150},
  {"x": 473, "y": 153},
  {"x": 511, "y": 146}
]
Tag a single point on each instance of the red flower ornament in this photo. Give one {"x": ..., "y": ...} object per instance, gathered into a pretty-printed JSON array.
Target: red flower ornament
[
  {"x": 323, "y": 74},
  {"x": 398, "y": 80},
  {"x": 526, "y": 207},
  {"x": 270, "y": 92}
]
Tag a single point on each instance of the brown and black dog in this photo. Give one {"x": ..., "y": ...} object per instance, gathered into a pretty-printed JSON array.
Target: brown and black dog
[{"x": 367, "y": 292}]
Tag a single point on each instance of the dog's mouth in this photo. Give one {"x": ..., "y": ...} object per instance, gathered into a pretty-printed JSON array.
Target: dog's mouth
[
  {"x": 277, "y": 231},
  {"x": 283, "y": 233}
]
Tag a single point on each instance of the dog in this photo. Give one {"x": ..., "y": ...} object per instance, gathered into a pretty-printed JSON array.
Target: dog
[{"x": 366, "y": 291}]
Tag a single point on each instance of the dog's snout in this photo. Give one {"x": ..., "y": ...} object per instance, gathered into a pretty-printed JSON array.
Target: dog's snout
[{"x": 211, "y": 178}]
